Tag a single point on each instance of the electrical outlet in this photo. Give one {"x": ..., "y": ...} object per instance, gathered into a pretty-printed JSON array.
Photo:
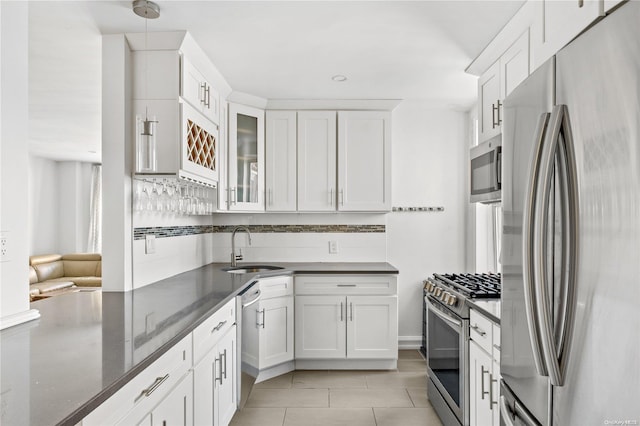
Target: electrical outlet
[
  {"x": 149, "y": 244},
  {"x": 333, "y": 247},
  {"x": 4, "y": 248}
]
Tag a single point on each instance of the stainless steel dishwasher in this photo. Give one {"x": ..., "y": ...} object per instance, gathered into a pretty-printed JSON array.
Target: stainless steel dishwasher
[{"x": 248, "y": 296}]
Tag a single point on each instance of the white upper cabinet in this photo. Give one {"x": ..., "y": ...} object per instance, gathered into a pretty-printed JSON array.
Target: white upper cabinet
[
  {"x": 317, "y": 161},
  {"x": 246, "y": 158},
  {"x": 511, "y": 69},
  {"x": 489, "y": 103},
  {"x": 186, "y": 139},
  {"x": 281, "y": 156},
  {"x": 198, "y": 91},
  {"x": 514, "y": 65},
  {"x": 223, "y": 192},
  {"x": 562, "y": 21},
  {"x": 364, "y": 160}
]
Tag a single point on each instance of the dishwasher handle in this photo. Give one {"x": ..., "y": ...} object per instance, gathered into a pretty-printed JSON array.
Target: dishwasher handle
[{"x": 250, "y": 299}]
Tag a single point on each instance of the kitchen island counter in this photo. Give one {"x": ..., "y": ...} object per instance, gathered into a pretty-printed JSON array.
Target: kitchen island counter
[{"x": 87, "y": 345}]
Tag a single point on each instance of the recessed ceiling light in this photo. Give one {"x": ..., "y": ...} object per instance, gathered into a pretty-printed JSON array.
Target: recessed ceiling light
[{"x": 339, "y": 78}]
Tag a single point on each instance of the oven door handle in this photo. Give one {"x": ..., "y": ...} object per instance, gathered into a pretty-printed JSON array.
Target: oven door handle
[{"x": 443, "y": 316}]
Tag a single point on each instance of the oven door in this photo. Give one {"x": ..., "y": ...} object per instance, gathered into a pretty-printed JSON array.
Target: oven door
[{"x": 447, "y": 337}]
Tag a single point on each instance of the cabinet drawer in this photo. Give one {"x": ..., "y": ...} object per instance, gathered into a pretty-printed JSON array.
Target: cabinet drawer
[
  {"x": 496, "y": 342},
  {"x": 346, "y": 284},
  {"x": 481, "y": 331},
  {"x": 276, "y": 287},
  {"x": 209, "y": 332},
  {"x": 146, "y": 389}
]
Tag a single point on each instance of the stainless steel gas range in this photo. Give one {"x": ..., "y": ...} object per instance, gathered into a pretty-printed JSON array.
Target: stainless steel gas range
[{"x": 446, "y": 299}]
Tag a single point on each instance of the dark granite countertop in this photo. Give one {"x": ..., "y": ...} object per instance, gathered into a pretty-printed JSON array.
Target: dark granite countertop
[{"x": 87, "y": 345}]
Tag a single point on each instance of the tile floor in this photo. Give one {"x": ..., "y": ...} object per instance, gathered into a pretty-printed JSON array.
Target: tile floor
[{"x": 343, "y": 398}]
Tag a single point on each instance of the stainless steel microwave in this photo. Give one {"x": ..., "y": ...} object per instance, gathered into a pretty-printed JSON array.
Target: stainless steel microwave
[{"x": 486, "y": 172}]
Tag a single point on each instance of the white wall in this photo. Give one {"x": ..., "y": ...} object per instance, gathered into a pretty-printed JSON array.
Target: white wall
[
  {"x": 14, "y": 160},
  {"x": 429, "y": 166},
  {"x": 43, "y": 206},
  {"x": 59, "y": 206}
]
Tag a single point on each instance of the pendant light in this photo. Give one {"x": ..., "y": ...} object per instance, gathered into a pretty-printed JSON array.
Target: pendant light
[{"x": 145, "y": 127}]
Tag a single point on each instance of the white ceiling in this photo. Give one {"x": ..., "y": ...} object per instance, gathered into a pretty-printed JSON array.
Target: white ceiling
[{"x": 273, "y": 50}]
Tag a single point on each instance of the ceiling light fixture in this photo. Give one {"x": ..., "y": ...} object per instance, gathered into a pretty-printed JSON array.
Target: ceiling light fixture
[
  {"x": 145, "y": 128},
  {"x": 339, "y": 78}
]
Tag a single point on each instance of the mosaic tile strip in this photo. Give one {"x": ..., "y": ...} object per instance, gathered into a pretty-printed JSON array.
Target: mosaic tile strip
[
  {"x": 305, "y": 228},
  {"x": 177, "y": 231}
]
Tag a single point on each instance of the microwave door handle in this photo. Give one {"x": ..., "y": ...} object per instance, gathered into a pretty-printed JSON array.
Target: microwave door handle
[
  {"x": 527, "y": 248},
  {"x": 498, "y": 167}
]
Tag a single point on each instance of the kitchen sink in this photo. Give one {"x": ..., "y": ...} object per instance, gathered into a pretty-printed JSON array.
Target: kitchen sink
[{"x": 249, "y": 269}]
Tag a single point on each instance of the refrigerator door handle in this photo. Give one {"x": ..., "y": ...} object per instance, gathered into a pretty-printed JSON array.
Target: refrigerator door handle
[
  {"x": 568, "y": 178},
  {"x": 558, "y": 145},
  {"x": 528, "y": 248},
  {"x": 506, "y": 415}
]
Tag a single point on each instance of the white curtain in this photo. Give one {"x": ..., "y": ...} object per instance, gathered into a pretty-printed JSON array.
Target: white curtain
[{"x": 95, "y": 219}]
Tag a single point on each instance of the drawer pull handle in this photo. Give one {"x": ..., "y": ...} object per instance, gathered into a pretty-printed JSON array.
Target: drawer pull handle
[
  {"x": 219, "y": 326},
  {"x": 347, "y": 285},
  {"x": 156, "y": 384},
  {"x": 478, "y": 330}
]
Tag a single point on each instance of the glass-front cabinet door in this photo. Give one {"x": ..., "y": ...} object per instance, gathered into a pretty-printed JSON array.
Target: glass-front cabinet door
[{"x": 245, "y": 185}]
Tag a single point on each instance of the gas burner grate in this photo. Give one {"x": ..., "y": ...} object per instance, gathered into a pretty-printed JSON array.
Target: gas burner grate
[{"x": 474, "y": 286}]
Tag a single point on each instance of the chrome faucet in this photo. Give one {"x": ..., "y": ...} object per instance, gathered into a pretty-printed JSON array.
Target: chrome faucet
[{"x": 234, "y": 257}]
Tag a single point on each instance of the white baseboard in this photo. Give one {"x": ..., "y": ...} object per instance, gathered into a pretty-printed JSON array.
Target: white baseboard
[
  {"x": 409, "y": 342},
  {"x": 19, "y": 318}
]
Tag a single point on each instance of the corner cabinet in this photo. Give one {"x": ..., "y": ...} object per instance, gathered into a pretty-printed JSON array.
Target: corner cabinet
[
  {"x": 346, "y": 322},
  {"x": 245, "y": 152},
  {"x": 364, "y": 161},
  {"x": 268, "y": 329}
]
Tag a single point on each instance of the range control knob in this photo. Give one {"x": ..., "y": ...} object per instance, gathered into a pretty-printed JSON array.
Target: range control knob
[
  {"x": 438, "y": 291},
  {"x": 452, "y": 300},
  {"x": 446, "y": 297}
]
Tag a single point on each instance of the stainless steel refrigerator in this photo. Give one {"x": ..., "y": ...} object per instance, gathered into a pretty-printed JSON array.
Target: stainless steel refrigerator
[{"x": 571, "y": 234}]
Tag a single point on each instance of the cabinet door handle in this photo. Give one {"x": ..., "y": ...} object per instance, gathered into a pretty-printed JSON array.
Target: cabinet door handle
[
  {"x": 234, "y": 199},
  {"x": 494, "y": 109},
  {"x": 351, "y": 311},
  {"x": 480, "y": 331},
  {"x": 207, "y": 93},
  {"x": 218, "y": 376},
  {"x": 219, "y": 326},
  {"x": 498, "y": 111},
  {"x": 341, "y": 317},
  {"x": 491, "y": 382},
  {"x": 203, "y": 86},
  {"x": 482, "y": 373},
  {"x": 155, "y": 385},
  {"x": 331, "y": 197},
  {"x": 270, "y": 191},
  {"x": 225, "y": 363},
  {"x": 342, "y": 197}
]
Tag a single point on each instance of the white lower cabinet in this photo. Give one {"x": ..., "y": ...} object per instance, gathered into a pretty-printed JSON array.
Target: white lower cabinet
[
  {"x": 193, "y": 383},
  {"x": 484, "y": 371},
  {"x": 349, "y": 324},
  {"x": 267, "y": 327},
  {"x": 320, "y": 327},
  {"x": 175, "y": 409}
]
